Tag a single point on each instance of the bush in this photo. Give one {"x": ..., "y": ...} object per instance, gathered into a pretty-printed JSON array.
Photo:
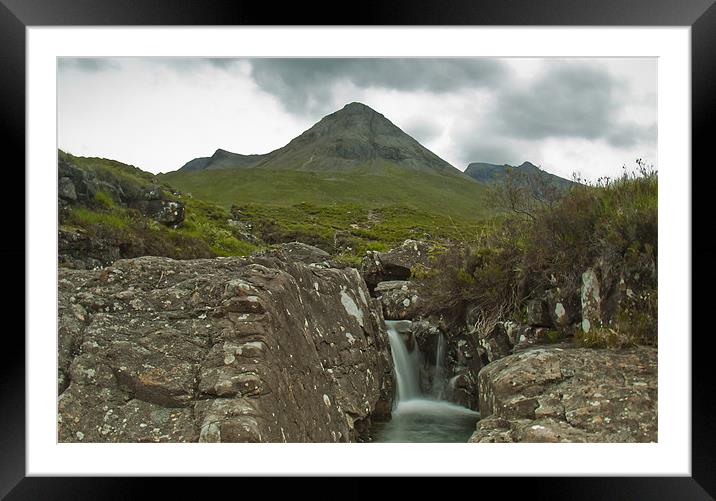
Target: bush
[{"x": 610, "y": 224}]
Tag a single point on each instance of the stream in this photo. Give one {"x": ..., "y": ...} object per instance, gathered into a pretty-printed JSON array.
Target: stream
[{"x": 418, "y": 417}]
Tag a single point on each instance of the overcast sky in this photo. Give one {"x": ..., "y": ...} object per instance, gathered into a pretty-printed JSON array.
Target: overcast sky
[{"x": 567, "y": 115}]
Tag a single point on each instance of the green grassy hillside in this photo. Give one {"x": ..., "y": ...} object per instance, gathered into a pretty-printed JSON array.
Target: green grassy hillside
[
  {"x": 373, "y": 207},
  {"x": 372, "y": 186}
]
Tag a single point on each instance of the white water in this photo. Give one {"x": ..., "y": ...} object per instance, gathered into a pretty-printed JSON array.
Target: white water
[
  {"x": 407, "y": 365},
  {"x": 417, "y": 418},
  {"x": 439, "y": 375}
]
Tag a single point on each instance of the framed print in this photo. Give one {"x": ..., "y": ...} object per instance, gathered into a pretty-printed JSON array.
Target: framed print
[{"x": 342, "y": 248}]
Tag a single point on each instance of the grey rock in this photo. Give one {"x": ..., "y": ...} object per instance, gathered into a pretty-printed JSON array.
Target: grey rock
[
  {"x": 304, "y": 253},
  {"x": 591, "y": 300},
  {"x": 66, "y": 189},
  {"x": 400, "y": 299},
  {"x": 560, "y": 394},
  {"x": 538, "y": 313},
  {"x": 256, "y": 349}
]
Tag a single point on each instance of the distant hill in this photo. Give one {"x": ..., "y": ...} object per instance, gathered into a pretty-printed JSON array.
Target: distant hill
[
  {"x": 352, "y": 137},
  {"x": 222, "y": 159},
  {"x": 490, "y": 173}
]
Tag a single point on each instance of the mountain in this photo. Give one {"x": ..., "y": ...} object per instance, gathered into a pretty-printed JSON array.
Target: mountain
[
  {"x": 490, "y": 173},
  {"x": 356, "y": 136},
  {"x": 222, "y": 159},
  {"x": 353, "y": 156}
]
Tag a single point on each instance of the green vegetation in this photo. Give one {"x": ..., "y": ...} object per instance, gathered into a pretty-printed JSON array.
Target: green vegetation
[
  {"x": 205, "y": 231},
  {"x": 112, "y": 170},
  {"x": 348, "y": 230},
  {"x": 343, "y": 212},
  {"x": 539, "y": 242},
  {"x": 373, "y": 186}
]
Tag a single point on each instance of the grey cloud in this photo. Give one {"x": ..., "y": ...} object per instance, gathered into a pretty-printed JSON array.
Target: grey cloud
[
  {"x": 305, "y": 84},
  {"x": 569, "y": 100},
  {"x": 422, "y": 130},
  {"x": 479, "y": 147}
]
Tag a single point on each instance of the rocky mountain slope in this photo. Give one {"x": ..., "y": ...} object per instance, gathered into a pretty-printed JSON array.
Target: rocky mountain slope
[
  {"x": 491, "y": 173},
  {"x": 354, "y": 157},
  {"x": 355, "y": 136},
  {"x": 222, "y": 159}
]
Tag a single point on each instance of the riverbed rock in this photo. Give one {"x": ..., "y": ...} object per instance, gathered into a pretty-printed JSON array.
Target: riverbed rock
[
  {"x": 495, "y": 341},
  {"x": 259, "y": 349},
  {"x": 567, "y": 394},
  {"x": 400, "y": 299}
]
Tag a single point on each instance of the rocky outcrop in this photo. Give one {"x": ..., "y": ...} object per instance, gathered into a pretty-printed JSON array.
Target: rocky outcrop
[
  {"x": 80, "y": 251},
  {"x": 462, "y": 359},
  {"x": 260, "y": 349},
  {"x": 301, "y": 253},
  {"x": 154, "y": 203},
  {"x": 396, "y": 264},
  {"x": 400, "y": 299},
  {"x": 567, "y": 394},
  {"x": 80, "y": 186}
]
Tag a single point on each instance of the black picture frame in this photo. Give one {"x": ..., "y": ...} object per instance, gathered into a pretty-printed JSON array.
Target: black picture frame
[{"x": 700, "y": 15}]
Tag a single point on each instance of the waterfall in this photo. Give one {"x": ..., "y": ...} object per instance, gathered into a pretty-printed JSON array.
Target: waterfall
[
  {"x": 439, "y": 375},
  {"x": 406, "y": 364}
]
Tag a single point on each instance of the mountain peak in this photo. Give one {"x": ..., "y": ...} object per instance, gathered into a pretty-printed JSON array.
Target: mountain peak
[
  {"x": 356, "y": 106},
  {"x": 355, "y": 136}
]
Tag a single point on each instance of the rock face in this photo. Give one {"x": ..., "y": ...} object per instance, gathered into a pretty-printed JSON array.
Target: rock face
[
  {"x": 260, "y": 349},
  {"x": 565, "y": 394},
  {"x": 399, "y": 298},
  {"x": 395, "y": 264},
  {"x": 78, "y": 186},
  {"x": 303, "y": 253}
]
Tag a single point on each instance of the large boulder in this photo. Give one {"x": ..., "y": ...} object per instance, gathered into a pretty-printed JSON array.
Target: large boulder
[
  {"x": 399, "y": 298},
  {"x": 258, "y": 349},
  {"x": 561, "y": 394},
  {"x": 396, "y": 264},
  {"x": 168, "y": 212},
  {"x": 84, "y": 184},
  {"x": 304, "y": 253}
]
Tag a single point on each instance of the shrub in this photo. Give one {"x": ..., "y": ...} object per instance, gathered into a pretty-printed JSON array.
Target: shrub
[{"x": 611, "y": 224}]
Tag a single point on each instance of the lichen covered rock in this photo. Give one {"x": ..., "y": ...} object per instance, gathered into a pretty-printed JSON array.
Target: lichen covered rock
[
  {"x": 566, "y": 394},
  {"x": 400, "y": 299},
  {"x": 261, "y": 349}
]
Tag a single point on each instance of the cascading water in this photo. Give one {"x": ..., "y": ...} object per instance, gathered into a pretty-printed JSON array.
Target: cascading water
[
  {"x": 439, "y": 374},
  {"x": 407, "y": 365},
  {"x": 418, "y": 417}
]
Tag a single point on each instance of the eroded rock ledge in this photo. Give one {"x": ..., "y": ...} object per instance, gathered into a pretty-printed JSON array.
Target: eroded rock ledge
[
  {"x": 552, "y": 394},
  {"x": 260, "y": 349}
]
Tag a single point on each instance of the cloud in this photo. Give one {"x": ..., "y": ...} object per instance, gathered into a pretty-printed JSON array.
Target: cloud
[
  {"x": 306, "y": 84},
  {"x": 423, "y": 129},
  {"x": 568, "y": 100}
]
